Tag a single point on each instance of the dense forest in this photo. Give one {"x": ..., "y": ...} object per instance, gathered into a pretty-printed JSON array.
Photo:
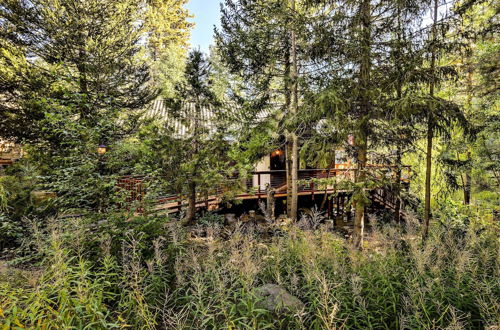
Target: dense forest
[{"x": 329, "y": 164}]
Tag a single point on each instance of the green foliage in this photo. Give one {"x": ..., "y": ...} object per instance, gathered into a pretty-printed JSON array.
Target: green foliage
[
  {"x": 20, "y": 205},
  {"x": 85, "y": 66},
  {"x": 396, "y": 282},
  {"x": 210, "y": 218},
  {"x": 75, "y": 74}
]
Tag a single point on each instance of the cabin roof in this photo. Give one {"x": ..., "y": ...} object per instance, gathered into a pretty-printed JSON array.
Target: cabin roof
[{"x": 182, "y": 121}]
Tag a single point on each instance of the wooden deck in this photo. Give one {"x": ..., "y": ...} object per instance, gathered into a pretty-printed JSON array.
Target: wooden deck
[{"x": 254, "y": 188}]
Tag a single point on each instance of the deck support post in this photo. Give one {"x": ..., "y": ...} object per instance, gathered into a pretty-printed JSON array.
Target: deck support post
[
  {"x": 329, "y": 208},
  {"x": 337, "y": 201},
  {"x": 258, "y": 183}
]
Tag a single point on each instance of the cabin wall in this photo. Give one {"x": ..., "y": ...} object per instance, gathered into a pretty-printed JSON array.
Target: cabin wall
[{"x": 263, "y": 165}]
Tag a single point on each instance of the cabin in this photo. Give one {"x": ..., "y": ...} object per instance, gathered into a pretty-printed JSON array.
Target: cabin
[{"x": 269, "y": 175}]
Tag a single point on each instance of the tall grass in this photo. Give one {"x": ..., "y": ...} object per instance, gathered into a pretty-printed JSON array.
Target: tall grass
[{"x": 451, "y": 281}]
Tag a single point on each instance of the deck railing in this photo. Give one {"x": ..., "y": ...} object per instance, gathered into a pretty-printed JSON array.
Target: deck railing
[{"x": 252, "y": 187}]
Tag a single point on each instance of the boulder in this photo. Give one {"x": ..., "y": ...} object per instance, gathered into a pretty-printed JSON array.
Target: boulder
[
  {"x": 275, "y": 298},
  {"x": 230, "y": 219}
]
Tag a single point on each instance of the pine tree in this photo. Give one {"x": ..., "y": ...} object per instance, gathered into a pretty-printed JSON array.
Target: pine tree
[
  {"x": 88, "y": 52},
  {"x": 201, "y": 143},
  {"x": 464, "y": 156},
  {"x": 75, "y": 76},
  {"x": 167, "y": 24},
  {"x": 440, "y": 115},
  {"x": 259, "y": 41},
  {"x": 398, "y": 131},
  {"x": 353, "y": 36}
]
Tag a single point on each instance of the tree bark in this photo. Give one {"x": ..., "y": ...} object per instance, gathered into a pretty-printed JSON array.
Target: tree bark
[
  {"x": 288, "y": 143},
  {"x": 467, "y": 181},
  {"x": 397, "y": 192},
  {"x": 288, "y": 175},
  {"x": 330, "y": 166},
  {"x": 365, "y": 105},
  {"x": 430, "y": 130},
  {"x": 191, "y": 209},
  {"x": 294, "y": 111},
  {"x": 359, "y": 205},
  {"x": 270, "y": 205},
  {"x": 428, "y": 172},
  {"x": 399, "y": 95}
]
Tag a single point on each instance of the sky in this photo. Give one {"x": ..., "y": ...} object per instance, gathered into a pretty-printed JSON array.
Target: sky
[{"x": 206, "y": 15}]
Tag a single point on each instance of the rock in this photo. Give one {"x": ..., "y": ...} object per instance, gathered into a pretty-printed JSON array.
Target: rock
[
  {"x": 230, "y": 218},
  {"x": 275, "y": 298}
]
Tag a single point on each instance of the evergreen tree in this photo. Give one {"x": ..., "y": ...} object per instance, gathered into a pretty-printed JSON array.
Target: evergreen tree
[
  {"x": 87, "y": 53},
  {"x": 466, "y": 159},
  {"x": 167, "y": 25},
  {"x": 359, "y": 40},
  {"x": 75, "y": 76},
  {"x": 201, "y": 139},
  {"x": 258, "y": 41}
]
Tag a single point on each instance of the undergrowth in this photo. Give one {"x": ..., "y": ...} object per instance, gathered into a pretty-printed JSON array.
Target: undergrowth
[{"x": 173, "y": 281}]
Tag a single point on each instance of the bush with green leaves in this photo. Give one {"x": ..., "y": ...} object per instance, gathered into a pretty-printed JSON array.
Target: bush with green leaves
[{"x": 19, "y": 206}]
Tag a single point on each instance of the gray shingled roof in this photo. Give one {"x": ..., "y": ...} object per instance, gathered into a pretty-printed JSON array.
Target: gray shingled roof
[{"x": 182, "y": 122}]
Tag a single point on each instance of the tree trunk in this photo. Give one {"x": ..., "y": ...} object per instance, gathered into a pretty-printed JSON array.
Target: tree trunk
[
  {"x": 397, "y": 190},
  {"x": 467, "y": 181},
  {"x": 295, "y": 178},
  {"x": 365, "y": 105},
  {"x": 359, "y": 205},
  {"x": 288, "y": 143},
  {"x": 428, "y": 172},
  {"x": 330, "y": 166},
  {"x": 470, "y": 91},
  {"x": 399, "y": 95},
  {"x": 270, "y": 205},
  {"x": 191, "y": 209},
  {"x": 294, "y": 111},
  {"x": 288, "y": 176},
  {"x": 430, "y": 131}
]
